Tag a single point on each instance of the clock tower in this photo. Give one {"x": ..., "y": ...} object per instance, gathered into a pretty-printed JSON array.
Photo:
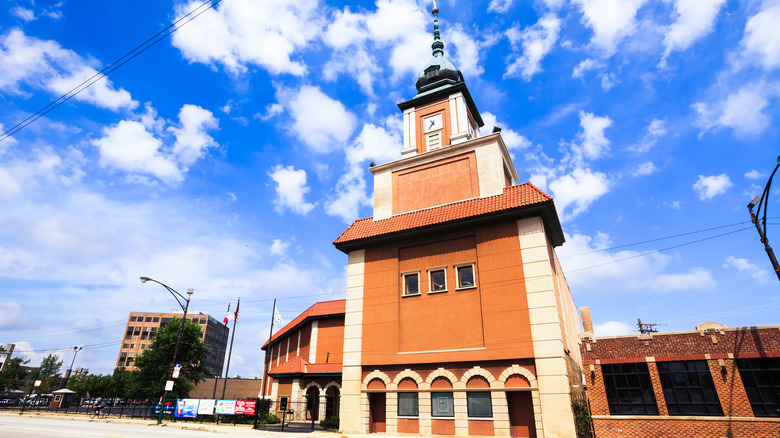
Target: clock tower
[{"x": 444, "y": 159}]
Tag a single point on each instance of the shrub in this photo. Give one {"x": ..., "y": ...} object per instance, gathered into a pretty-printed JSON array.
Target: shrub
[
  {"x": 268, "y": 419},
  {"x": 330, "y": 423}
]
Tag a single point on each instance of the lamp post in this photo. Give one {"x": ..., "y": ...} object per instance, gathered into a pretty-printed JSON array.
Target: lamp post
[
  {"x": 763, "y": 202},
  {"x": 76, "y": 350},
  {"x": 184, "y": 307}
]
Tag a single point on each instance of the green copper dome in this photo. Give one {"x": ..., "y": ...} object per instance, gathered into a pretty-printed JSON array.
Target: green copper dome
[{"x": 438, "y": 68}]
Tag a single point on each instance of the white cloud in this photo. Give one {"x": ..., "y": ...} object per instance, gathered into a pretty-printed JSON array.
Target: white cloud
[
  {"x": 584, "y": 66},
  {"x": 761, "y": 39},
  {"x": 656, "y": 129},
  {"x": 139, "y": 146},
  {"x": 373, "y": 143},
  {"x": 645, "y": 169},
  {"x": 610, "y": 20},
  {"x": 279, "y": 247},
  {"x": 578, "y": 190},
  {"x": 613, "y": 328},
  {"x": 23, "y": 14},
  {"x": 290, "y": 189},
  {"x": 694, "y": 19},
  {"x": 707, "y": 187},
  {"x": 512, "y": 139},
  {"x": 742, "y": 111},
  {"x": 499, "y": 6},
  {"x": 589, "y": 265},
  {"x": 322, "y": 123},
  {"x": 536, "y": 42},
  {"x": 754, "y": 174},
  {"x": 469, "y": 51},
  {"x": 593, "y": 143},
  {"x": 271, "y": 110},
  {"x": 44, "y": 64},
  {"x": 744, "y": 265},
  {"x": 249, "y": 32}
]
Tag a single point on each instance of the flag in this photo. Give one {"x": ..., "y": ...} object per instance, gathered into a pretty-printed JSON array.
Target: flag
[
  {"x": 277, "y": 315},
  {"x": 228, "y": 317},
  {"x": 237, "y": 306}
]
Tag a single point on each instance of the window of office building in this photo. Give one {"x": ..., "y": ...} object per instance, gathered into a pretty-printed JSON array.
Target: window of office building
[
  {"x": 408, "y": 404},
  {"x": 629, "y": 390},
  {"x": 479, "y": 404},
  {"x": 411, "y": 283},
  {"x": 761, "y": 378},
  {"x": 465, "y": 274},
  {"x": 437, "y": 280},
  {"x": 688, "y": 388},
  {"x": 442, "y": 404}
]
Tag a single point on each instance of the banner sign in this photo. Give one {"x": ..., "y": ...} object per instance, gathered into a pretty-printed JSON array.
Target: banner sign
[
  {"x": 225, "y": 407},
  {"x": 187, "y": 408},
  {"x": 206, "y": 407},
  {"x": 245, "y": 407}
]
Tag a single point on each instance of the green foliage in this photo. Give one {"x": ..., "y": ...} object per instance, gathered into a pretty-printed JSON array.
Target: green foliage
[
  {"x": 582, "y": 420},
  {"x": 154, "y": 364},
  {"x": 48, "y": 373},
  {"x": 268, "y": 419},
  {"x": 330, "y": 423},
  {"x": 263, "y": 406},
  {"x": 96, "y": 385},
  {"x": 13, "y": 374}
]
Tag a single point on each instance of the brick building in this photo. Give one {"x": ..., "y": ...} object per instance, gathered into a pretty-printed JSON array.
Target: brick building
[
  {"x": 142, "y": 327},
  {"x": 458, "y": 319},
  {"x": 710, "y": 382}
]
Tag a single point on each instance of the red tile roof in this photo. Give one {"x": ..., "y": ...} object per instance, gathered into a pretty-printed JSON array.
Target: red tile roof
[
  {"x": 299, "y": 365},
  {"x": 323, "y": 308},
  {"x": 522, "y": 195}
]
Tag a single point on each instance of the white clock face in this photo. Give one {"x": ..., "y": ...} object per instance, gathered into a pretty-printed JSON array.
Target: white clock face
[{"x": 433, "y": 123}]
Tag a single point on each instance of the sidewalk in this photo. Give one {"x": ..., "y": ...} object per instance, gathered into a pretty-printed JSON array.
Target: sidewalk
[{"x": 190, "y": 425}]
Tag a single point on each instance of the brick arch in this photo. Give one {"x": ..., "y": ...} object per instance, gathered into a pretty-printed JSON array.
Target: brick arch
[
  {"x": 441, "y": 372},
  {"x": 407, "y": 373},
  {"x": 477, "y": 371},
  {"x": 517, "y": 369},
  {"x": 329, "y": 385},
  {"x": 376, "y": 374},
  {"x": 309, "y": 385}
]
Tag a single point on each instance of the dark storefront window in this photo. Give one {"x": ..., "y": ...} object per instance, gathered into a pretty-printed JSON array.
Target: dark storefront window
[
  {"x": 629, "y": 390},
  {"x": 761, "y": 378},
  {"x": 688, "y": 388}
]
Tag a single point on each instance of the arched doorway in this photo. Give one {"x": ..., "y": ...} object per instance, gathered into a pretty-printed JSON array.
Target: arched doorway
[
  {"x": 313, "y": 403},
  {"x": 332, "y": 402},
  {"x": 377, "y": 407}
]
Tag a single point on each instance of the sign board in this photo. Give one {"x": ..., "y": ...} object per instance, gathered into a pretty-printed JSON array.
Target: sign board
[
  {"x": 187, "y": 408},
  {"x": 37, "y": 383},
  {"x": 245, "y": 407},
  {"x": 176, "y": 371},
  {"x": 206, "y": 407},
  {"x": 169, "y": 385},
  {"x": 225, "y": 407}
]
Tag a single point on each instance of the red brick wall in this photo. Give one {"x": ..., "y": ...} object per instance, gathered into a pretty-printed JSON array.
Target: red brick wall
[{"x": 664, "y": 427}]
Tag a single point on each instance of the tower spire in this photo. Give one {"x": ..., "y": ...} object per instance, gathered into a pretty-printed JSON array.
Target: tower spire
[{"x": 438, "y": 45}]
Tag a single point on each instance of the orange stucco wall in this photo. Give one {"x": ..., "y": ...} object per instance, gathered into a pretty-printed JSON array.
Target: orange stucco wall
[
  {"x": 431, "y": 184},
  {"x": 489, "y": 322}
]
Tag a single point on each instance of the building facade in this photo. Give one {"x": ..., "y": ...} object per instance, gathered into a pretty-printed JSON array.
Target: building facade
[
  {"x": 303, "y": 363},
  {"x": 142, "y": 327},
  {"x": 710, "y": 382},
  {"x": 458, "y": 319}
]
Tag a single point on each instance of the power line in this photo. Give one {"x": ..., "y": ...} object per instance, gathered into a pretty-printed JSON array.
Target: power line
[{"x": 124, "y": 59}]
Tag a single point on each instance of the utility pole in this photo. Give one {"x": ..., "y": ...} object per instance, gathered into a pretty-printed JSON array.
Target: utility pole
[{"x": 763, "y": 202}]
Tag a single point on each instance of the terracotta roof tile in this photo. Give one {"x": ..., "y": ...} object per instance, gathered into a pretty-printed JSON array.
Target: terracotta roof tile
[
  {"x": 515, "y": 196},
  {"x": 322, "y": 308}
]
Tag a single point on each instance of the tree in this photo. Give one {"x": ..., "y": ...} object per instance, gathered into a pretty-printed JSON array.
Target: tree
[
  {"x": 154, "y": 364},
  {"x": 48, "y": 373},
  {"x": 13, "y": 374}
]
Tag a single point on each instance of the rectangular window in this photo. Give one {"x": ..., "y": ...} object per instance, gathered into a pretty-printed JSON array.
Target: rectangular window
[
  {"x": 144, "y": 335},
  {"x": 156, "y": 319},
  {"x": 148, "y": 319},
  {"x": 282, "y": 403},
  {"x": 465, "y": 274},
  {"x": 761, "y": 378},
  {"x": 125, "y": 345},
  {"x": 132, "y": 319},
  {"x": 411, "y": 283},
  {"x": 129, "y": 333},
  {"x": 629, "y": 390},
  {"x": 407, "y": 404},
  {"x": 479, "y": 404},
  {"x": 437, "y": 280},
  {"x": 203, "y": 320},
  {"x": 688, "y": 388},
  {"x": 441, "y": 404}
]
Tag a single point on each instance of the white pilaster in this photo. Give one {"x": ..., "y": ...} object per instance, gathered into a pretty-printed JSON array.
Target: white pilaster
[
  {"x": 313, "y": 342},
  {"x": 351, "y": 418}
]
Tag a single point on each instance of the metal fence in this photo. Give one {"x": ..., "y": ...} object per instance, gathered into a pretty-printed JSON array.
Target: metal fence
[
  {"x": 293, "y": 416},
  {"x": 127, "y": 409}
]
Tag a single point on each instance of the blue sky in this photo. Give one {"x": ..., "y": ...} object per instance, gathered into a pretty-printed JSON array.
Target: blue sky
[{"x": 228, "y": 157}]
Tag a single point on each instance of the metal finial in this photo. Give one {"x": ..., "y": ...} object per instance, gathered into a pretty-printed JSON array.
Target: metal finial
[{"x": 438, "y": 45}]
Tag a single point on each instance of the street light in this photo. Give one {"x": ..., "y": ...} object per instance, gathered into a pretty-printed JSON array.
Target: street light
[
  {"x": 184, "y": 307},
  {"x": 763, "y": 202},
  {"x": 76, "y": 350}
]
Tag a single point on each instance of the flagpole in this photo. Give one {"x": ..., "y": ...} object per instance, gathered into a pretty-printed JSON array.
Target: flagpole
[
  {"x": 235, "y": 319},
  {"x": 268, "y": 353},
  {"x": 216, "y": 379}
]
